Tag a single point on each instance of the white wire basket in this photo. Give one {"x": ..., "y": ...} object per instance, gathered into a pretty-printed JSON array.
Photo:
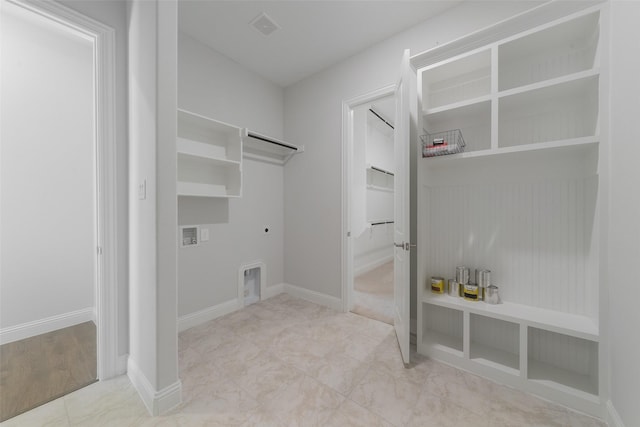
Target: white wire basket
[{"x": 442, "y": 143}]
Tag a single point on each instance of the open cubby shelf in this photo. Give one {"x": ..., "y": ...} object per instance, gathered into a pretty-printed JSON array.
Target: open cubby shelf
[{"x": 524, "y": 199}]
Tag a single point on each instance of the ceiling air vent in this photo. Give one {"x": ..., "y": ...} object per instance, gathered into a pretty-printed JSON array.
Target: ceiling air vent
[{"x": 264, "y": 25}]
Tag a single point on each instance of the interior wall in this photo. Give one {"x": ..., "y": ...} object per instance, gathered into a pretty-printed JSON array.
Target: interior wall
[
  {"x": 624, "y": 230},
  {"x": 212, "y": 85},
  {"x": 313, "y": 117},
  {"x": 153, "y": 207},
  {"x": 48, "y": 189},
  {"x": 114, "y": 14}
]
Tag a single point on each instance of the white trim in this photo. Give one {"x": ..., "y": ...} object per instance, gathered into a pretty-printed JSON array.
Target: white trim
[
  {"x": 42, "y": 326},
  {"x": 203, "y": 316},
  {"x": 123, "y": 360},
  {"x": 263, "y": 280},
  {"x": 313, "y": 296},
  {"x": 346, "y": 245},
  {"x": 612, "y": 416},
  {"x": 157, "y": 402},
  {"x": 273, "y": 290},
  {"x": 103, "y": 38}
]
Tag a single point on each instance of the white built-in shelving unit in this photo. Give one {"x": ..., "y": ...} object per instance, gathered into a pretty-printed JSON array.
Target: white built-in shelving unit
[
  {"x": 525, "y": 200},
  {"x": 209, "y": 157}
]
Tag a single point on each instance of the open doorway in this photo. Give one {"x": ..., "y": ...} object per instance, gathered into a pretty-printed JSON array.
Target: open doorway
[
  {"x": 371, "y": 208},
  {"x": 57, "y": 316}
]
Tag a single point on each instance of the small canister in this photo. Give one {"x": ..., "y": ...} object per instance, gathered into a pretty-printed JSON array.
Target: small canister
[
  {"x": 492, "y": 295},
  {"x": 470, "y": 292},
  {"x": 454, "y": 288},
  {"x": 462, "y": 275},
  {"x": 437, "y": 285},
  {"x": 483, "y": 280}
]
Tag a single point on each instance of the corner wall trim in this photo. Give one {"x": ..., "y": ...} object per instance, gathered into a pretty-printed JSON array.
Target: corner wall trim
[
  {"x": 42, "y": 326},
  {"x": 313, "y": 296},
  {"x": 273, "y": 290},
  {"x": 199, "y": 317},
  {"x": 613, "y": 418},
  {"x": 157, "y": 402}
]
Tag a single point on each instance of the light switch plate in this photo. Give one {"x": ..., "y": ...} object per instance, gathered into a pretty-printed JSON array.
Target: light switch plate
[{"x": 204, "y": 234}]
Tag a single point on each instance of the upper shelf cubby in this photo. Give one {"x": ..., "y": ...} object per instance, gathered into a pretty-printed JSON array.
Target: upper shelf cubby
[
  {"x": 460, "y": 80},
  {"x": 566, "y": 48},
  {"x": 199, "y": 135}
]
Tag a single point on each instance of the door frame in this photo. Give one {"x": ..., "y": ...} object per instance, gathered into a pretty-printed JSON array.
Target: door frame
[
  {"x": 106, "y": 266},
  {"x": 347, "y": 149}
]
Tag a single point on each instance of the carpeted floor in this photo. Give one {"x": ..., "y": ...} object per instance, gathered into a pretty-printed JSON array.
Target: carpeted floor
[
  {"x": 36, "y": 370},
  {"x": 373, "y": 293}
]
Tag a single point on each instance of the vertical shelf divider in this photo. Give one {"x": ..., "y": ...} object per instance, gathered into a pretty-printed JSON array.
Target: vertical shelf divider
[
  {"x": 494, "y": 98},
  {"x": 524, "y": 351},
  {"x": 466, "y": 334}
]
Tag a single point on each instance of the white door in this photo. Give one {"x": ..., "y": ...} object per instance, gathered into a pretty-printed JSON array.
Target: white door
[{"x": 401, "y": 271}]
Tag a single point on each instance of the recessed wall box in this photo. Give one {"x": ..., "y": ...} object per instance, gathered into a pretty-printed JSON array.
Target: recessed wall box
[{"x": 189, "y": 236}]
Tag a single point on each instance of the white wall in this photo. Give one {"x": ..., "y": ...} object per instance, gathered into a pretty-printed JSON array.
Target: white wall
[
  {"x": 153, "y": 357},
  {"x": 214, "y": 86},
  {"x": 624, "y": 228},
  {"x": 114, "y": 14},
  {"x": 48, "y": 149},
  {"x": 313, "y": 117}
]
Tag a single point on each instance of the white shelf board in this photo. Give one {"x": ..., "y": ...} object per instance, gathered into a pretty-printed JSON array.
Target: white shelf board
[
  {"x": 194, "y": 119},
  {"x": 378, "y": 188},
  {"x": 574, "y": 143},
  {"x": 457, "y": 105},
  {"x": 495, "y": 358},
  {"x": 443, "y": 342},
  {"x": 575, "y": 77},
  {"x": 550, "y": 320},
  {"x": 563, "y": 380},
  {"x": 191, "y": 150},
  {"x": 202, "y": 190}
]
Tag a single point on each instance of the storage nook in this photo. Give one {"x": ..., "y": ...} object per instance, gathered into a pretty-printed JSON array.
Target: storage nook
[
  {"x": 523, "y": 200},
  {"x": 209, "y": 157}
]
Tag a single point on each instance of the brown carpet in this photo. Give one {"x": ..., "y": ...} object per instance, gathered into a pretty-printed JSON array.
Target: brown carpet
[{"x": 39, "y": 369}]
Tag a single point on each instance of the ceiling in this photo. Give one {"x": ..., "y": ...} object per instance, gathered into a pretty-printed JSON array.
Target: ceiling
[{"x": 313, "y": 35}]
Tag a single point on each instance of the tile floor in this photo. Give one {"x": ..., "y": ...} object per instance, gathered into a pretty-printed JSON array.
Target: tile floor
[{"x": 288, "y": 362}]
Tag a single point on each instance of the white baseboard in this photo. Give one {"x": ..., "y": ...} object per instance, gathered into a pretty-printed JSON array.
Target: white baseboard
[
  {"x": 42, "y": 326},
  {"x": 157, "y": 402},
  {"x": 121, "y": 366},
  {"x": 272, "y": 291},
  {"x": 613, "y": 418},
  {"x": 313, "y": 296},
  {"x": 199, "y": 317},
  {"x": 371, "y": 265}
]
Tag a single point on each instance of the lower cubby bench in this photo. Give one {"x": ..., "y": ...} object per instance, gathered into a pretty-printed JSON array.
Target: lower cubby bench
[{"x": 555, "y": 361}]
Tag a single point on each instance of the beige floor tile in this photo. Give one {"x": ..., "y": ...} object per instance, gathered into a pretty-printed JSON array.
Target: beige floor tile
[
  {"x": 433, "y": 411},
  {"x": 52, "y": 414},
  {"x": 305, "y": 403},
  {"x": 341, "y": 373},
  {"x": 353, "y": 415},
  {"x": 388, "y": 396}
]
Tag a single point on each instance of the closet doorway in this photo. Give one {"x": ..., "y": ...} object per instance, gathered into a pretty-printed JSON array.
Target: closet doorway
[
  {"x": 370, "y": 259},
  {"x": 58, "y": 273}
]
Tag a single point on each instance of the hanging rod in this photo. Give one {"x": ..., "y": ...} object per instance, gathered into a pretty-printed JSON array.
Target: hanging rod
[
  {"x": 382, "y": 223},
  {"x": 382, "y": 170},
  {"x": 271, "y": 140},
  {"x": 380, "y": 117}
]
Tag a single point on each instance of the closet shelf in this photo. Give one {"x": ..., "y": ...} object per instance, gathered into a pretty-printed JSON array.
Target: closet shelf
[
  {"x": 381, "y": 170},
  {"x": 575, "y": 77},
  {"x": 203, "y": 190},
  {"x": 456, "y": 105},
  {"x": 496, "y": 358},
  {"x": 202, "y": 158},
  {"x": 379, "y": 188},
  {"x": 550, "y": 320},
  {"x": 262, "y": 147},
  {"x": 564, "y": 144}
]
